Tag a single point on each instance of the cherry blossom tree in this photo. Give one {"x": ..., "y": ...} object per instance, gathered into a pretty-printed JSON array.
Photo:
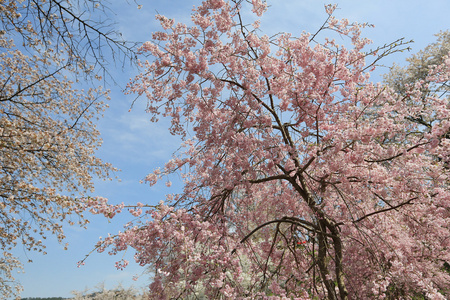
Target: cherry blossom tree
[
  {"x": 117, "y": 293},
  {"x": 303, "y": 179},
  {"x": 52, "y": 54},
  {"x": 401, "y": 79}
]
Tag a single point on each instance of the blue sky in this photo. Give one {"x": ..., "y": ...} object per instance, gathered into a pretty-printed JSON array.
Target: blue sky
[{"x": 136, "y": 146}]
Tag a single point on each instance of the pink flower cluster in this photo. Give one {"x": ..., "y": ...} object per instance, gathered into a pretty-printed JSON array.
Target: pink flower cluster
[{"x": 99, "y": 205}]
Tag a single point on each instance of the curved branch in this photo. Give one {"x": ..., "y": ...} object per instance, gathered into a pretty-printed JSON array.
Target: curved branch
[{"x": 292, "y": 220}]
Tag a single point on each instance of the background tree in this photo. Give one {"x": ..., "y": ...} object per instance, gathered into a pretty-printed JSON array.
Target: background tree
[
  {"x": 302, "y": 178},
  {"x": 403, "y": 79},
  {"x": 117, "y": 293},
  {"x": 52, "y": 56},
  {"x": 419, "y": 64}
]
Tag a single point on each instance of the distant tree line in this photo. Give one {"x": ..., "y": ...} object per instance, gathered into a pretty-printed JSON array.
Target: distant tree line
[{"x": 45, "y": 298}]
